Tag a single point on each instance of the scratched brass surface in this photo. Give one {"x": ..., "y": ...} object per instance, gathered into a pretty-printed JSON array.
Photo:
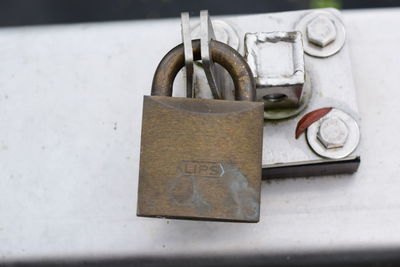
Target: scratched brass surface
[
  {"x": 200, "y": 159},
  {"x": 221, "y": 53}
]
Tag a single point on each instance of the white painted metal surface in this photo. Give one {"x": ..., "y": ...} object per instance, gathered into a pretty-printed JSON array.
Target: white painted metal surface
[{"x": 70, "y": 116}]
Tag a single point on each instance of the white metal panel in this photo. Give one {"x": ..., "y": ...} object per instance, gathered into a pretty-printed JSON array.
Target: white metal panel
[{"x": 70, "y": 116}]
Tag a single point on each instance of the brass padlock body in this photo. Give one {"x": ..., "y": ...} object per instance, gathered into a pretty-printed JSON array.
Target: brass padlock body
[{"x": 200, "y": 159}]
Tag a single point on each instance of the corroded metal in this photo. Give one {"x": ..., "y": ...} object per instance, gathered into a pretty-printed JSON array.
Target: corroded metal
[{"x": 201, "y": 158}]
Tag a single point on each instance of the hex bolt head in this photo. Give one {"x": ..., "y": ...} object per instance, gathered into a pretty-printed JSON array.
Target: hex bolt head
[
  {"x": 333, "y": 133},
  {"x": 321, "y": 31}
]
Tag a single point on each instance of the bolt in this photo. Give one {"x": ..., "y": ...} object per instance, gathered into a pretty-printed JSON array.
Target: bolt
[
  {"x": 333, "y": 133},
  {"x": 321, "y": 31}
]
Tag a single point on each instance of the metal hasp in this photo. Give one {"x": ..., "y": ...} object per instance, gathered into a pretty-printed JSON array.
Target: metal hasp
[
  {"x": 301, "y": 63},
  {"x": 277, "y": 62},
  {"x": 289, "y": 46},
  {"x": 187, "y": 45},
  {"x": 225, "y": 33},
  {"x": 201, "y": 158},
  {"x": 206, "y": 35}
]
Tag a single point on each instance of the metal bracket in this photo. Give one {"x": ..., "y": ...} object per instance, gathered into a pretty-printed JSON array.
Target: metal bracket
[
  {"x": 206, "y": 35},
  {"x": 188, "y": 51}
]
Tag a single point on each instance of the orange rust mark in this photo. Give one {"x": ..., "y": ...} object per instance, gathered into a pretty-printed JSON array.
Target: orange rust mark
[{"x": 309, "y": 119}]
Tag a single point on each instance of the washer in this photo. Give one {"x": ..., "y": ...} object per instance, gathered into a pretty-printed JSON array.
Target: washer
[
  {"x": 332, "y": 48},
  {"x": 350, "y": 145}
]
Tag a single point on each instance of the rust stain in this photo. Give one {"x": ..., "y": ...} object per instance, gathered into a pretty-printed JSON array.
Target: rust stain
[{"x": 309, "y": 119}]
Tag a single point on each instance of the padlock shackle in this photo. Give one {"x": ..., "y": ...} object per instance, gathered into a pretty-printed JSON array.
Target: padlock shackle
[{"x": 221, "y": 53}]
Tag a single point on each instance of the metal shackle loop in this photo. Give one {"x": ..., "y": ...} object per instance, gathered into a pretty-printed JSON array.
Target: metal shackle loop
[{"x": 221, "y": 53}]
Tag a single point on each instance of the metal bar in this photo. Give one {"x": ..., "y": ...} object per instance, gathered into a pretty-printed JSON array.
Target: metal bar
[
  {"x": 207, "y": 34},
  {"x": 188, "y": 51}
]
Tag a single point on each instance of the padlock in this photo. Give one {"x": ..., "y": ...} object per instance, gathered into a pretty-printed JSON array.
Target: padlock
[{"x": 201, "y": 158}]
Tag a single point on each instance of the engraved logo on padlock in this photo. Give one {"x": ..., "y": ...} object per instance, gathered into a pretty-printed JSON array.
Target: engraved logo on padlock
[
  {"x": 201, "y": 169},
  {"x": 201, "y": 158}
]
